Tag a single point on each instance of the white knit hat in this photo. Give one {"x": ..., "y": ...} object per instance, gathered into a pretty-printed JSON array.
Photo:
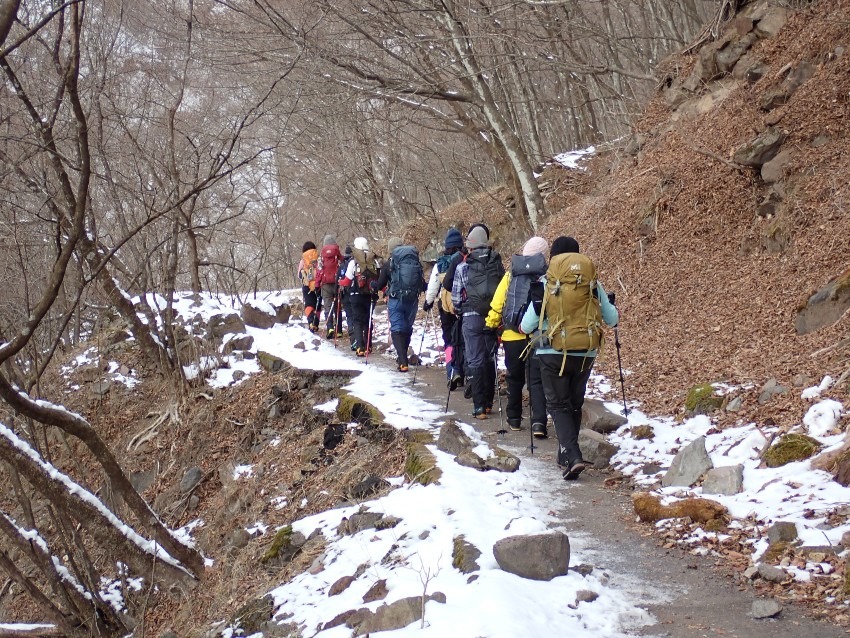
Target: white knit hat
[{"x": 360, "y": 243}]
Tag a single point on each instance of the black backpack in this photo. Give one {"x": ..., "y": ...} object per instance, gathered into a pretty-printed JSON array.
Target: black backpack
[
  {"x": 406, "y": 275},
  {"x": 485, "y": 271},
  {"x": 525, "y": 271}
]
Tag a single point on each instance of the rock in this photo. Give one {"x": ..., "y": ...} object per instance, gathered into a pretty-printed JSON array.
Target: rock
[
  {"x": 642, "y": 432},
  {"x": 751, "y": 572},
  {"x": 636, "y": 143},
  {"x": 101, "y": 388},
  {"x": 728, "y": 56},
  {"x": 782, "y": 531},
  {"x": 142, "y": 480},
  {"x": 772, "y": 574},
  {"x": 369, "y": 486},
  {"x": 438, "y": 597},
  {"x": 310, "y": 453},
  {"x": 399, "y": 614},
  {"x": 468, "y": 458},
  {"x": 501, "y": 460},
  {"x": 239, "y": 539},
  {"x": 283, "y": 312},
  {"x": 845, "y": 539},
  {"x": 239, "y": 342},
  {"x": 735, "y": 404},
  {"x": 765, "y": 608},
  {"x": 774, "y": 98},
  {"x": 358, "y": 522},
  {"x": 702, "y": 399},
  {"x": 826, "y": 306},
  {"x": 387, "y": 522},
  {"x": 168, "y": 634},
  {"x": 770, "y": 389},
  {"x": 342, "y": 619},
  {"x": 190, "y": 480},
  {"x": 790, "y": 448},
  {"x": 257, "y": 317},
  {"x": 596, "y": 449},
  {"x": 772, "y": 20},
  {"x": 193, "y": 503},
  {"x": 300, "y": 346},
  {"x": 774, "y": 170},
  {"x": 465, "y": 555},
  {"x": 595, "y": 416},
  {"x": 222, "y": 324},
  {"x": 452, "y": 439},
  {"x": 421, "y": 465},
  {"x": 760, "y": 150},
  {"x": 340, "y": 585},
  {"x": 378, "y": 591},
  {"x": 586, "y": 596},
  {"x": 271, "y": 363},
  {"x": 238, "y": 375},
  {"x": 651, "y": 468},
  {"x": 583, "y": 569},
  {"x": 749, "y": 68},
  {"x": 254, "y": 614},
  {"x": 534, "y": 556},
  {"x": 284, "y": 546},
  {"x": 724, "y": 480},
  {"x": 334, "y": 435},
  {"x": 689, "y": 465}
]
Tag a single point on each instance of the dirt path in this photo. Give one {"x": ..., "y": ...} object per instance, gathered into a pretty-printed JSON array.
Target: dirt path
[{"x": 689, "y": 595}]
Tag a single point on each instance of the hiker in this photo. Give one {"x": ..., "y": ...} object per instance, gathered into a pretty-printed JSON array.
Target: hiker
[
  {"x": 569, "y": 318},
  {"x": 326, "y": 281},
  {"x": 345, "y": 296},
  {"x": 519, "y": 287},
  {"x": 475, "y": 281},
  {"x": 452, "y": 341},
  {"x": 360, "y": 277},
  {"x": 307, "y": 276},
  {"x": 404, "y": 279}
]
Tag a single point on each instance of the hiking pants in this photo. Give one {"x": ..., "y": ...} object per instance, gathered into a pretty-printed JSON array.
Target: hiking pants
[
  {"x": 520, "y": 372},
  {"x": 361, "y": 307},
  {"x": 311, "y": 306},
  {"x": 447, "y": 324},
  {"x": 333, "y": 313},
  {"x": 402, "y": 314},
  {"x": 458, "y": 357},
  {"x": 564, "y": 398},
  {"x": 480, "y": 344},
  {"x": 345, "y": 299}
]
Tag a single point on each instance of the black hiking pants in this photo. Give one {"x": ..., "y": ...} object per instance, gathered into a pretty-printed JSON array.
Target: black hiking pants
[
  {"x": 480, "y": 343},
  {"x": 564, "y": 399},
  {"x": 361, "y": 309},
  {"x": 345, "y": 299},
  {"x": 520, "y": 372},
  {"x": 455, "y": 340},
  {"x": 312, "y": 306}
]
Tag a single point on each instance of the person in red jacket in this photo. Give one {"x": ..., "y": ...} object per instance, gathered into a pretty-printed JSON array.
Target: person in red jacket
[{"x": 326, "y": 282}]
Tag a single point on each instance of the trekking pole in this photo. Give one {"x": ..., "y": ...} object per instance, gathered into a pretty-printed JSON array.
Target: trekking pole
[
  {"x": 437, "y": 340},
  {"x": 530, "y": 406},
  {"x": 502, "y": 429},
  {"x": 419, "y": 356},
  {"x": 369, "y": 331},
  {"x": 337, "y": 313},
  {"x": 448, "y": 396},
  {"x": 612, "y": 298}
]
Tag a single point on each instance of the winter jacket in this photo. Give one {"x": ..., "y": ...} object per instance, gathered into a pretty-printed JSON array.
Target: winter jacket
[
  {"x": 308, "y": 257},
  {"x": 494, "y": 317},
  {"x": 531, "y": 319}
]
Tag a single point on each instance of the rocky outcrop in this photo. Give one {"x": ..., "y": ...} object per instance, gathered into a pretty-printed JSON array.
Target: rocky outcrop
[
  {"x": 826, "y": 306},
  {"x": 259, "y": 315},
  {"x": 224, "y": 323}
]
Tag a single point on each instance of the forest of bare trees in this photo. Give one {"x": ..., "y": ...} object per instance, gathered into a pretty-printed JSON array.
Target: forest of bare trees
[{"x": 149, "y": 146}]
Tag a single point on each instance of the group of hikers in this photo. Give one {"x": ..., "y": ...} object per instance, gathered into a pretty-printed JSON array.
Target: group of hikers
[{"x": 546, "y": 311}]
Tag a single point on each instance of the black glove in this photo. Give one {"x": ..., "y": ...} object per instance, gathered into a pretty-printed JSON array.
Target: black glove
[{"x": 427, "y": 306}]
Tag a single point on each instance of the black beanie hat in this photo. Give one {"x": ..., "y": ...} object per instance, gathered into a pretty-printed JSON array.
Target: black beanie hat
[
  {"x": 308, "y": 245},
  {"x": 563, "y": 245}
]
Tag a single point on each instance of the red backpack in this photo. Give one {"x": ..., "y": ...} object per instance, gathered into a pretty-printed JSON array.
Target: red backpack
[{"x": 329, "y": 264}]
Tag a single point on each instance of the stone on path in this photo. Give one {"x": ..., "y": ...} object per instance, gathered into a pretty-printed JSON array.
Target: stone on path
[
  {"x": 782, "y": 532},
  {"x": 596, "y": 449},
  {"x": 534, "y": 556},
  {"x": 688, "y": 466},
  {"x": 772, "y": 574},
  {"x": 765, "y": 608},
  {"x": 595, "y": 416}
]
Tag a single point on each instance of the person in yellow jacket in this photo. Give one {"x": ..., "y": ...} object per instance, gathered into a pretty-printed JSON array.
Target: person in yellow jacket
[{"x": 521, "y": 285}]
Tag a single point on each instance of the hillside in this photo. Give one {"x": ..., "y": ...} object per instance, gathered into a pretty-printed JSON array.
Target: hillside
[{"x": 710, "y": 258}]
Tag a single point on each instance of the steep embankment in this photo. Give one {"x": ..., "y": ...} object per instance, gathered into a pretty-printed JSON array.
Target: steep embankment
[{"x": 711, "y": 248}]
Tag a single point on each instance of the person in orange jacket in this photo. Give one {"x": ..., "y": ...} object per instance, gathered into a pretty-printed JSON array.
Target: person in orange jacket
[{"x": 307, "y": 276}]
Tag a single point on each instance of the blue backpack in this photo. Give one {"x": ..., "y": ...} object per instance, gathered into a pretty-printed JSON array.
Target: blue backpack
[{"x": 406, "y": 274}]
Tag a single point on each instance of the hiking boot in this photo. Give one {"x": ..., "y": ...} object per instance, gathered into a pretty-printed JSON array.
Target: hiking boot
[
  {"x": 455, "y": 381},
  {"x": 515, "y": 424},
  {"x": 488, "y": 409},
  {"x": 576, "y": 468},
  {"x": 467, "y": 391},
  {"x": 539, "y": 430},
  {"x": 403, "y": 367},
  {"x": 331, "y": 334},
  {"x": 353, "y": 347},
  {"x": 361, "y": 352},
  {"x": 479, "y": 414}
]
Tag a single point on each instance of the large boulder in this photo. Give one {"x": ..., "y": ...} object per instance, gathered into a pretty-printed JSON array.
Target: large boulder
[
  {"x": 259, "y": 315},
  {"x": 689, "y": 465},
  {"x": 283, "y": 312},
  {"x": 596, "y": 449},
  {"x": 826, "y": 306},
  {"x": 760, "y": 150},
  {"x": 224, "y": 323},
  {"x": 238, "y": 342},
  {"x": 396, "y": 615},
  {"x": 595, "y": 416},
  {"x": 453, "y": 440},
  {"x": 534, "y": 556}
]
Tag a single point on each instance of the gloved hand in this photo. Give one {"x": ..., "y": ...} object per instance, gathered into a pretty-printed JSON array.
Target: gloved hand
[
  {"x": 427, "y": 306},
  {"x": 373, "y": 285}
]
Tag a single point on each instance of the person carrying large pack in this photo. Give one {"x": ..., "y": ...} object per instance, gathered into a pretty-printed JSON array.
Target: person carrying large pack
[
  {"x": 436, "y": 292},
  {"x": 360, "y": 279},
  {"x": 307, "y": 276},
  {"x": 475, "y": 282},
  {"x": 570, "y": 323},
  {"x": 519, "y": 287},
  {"x": 327, "y": 283},
  {"x": 345, "y": 297},
  {"x": 403, "y": 277}
]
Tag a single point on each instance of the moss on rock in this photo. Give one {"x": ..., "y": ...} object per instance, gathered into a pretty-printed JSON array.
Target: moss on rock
[
  {"x": 281, "y": 544},
  {"x": 702, "y": 399},
  {"x": 790, "y": 448},
  {"x": 421, "y": 465},
  {"x": 775, "y": 551},
  {"x": 465, "y": 555},
  {"x": 351, "y": 409},
  {"x": 643, "y": 433}
]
